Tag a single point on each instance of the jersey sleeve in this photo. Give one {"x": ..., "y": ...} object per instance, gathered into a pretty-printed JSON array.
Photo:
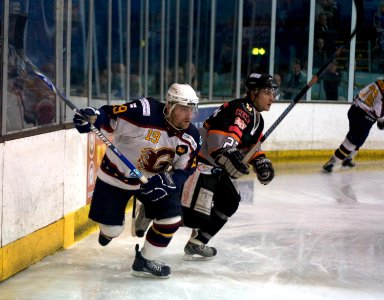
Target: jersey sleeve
[
  {"x": 137, "y": 112},
  {"x": 186, "y": 164}
]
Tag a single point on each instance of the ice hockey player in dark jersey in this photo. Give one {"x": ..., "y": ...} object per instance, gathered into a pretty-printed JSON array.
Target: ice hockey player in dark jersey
[
  {"x": 367, "y": 108},
  {"x": 153, "y": 136},
  {"x": 210, "y": 196}
]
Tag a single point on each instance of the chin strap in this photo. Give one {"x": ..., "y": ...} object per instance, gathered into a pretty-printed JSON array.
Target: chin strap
[{"x": 172, "y": 128}]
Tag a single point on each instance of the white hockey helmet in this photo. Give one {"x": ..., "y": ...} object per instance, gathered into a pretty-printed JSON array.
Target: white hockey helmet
[{"x": 182, "y": 94}]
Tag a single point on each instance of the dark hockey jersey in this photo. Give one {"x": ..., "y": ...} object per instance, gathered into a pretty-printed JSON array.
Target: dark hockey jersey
[
  {"x": 234, "y": 124},
  {"x": 141, "y": 133}
]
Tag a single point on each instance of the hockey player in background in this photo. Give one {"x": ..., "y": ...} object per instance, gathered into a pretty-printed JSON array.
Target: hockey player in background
[
  {"x": 210, "y": 195},
  {"x": 154, "y": 136},
  {"x": 366, "y": 109}
]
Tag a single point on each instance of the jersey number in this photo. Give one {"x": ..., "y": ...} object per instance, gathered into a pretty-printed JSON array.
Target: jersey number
[
  {"x": 119, "y": 109},
  {"x": 153, "y": 136},
  {"x": 230, "y": 142}
]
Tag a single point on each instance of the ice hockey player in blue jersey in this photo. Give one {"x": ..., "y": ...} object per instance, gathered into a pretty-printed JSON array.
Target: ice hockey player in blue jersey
[
  {"x": 367, "y": 108},
  {"x": 161, "y": 142}
]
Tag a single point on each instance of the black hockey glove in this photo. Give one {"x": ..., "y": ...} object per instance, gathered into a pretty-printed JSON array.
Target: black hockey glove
[
  {"x": 158, "y": 186},
  {"x": 264, "y": 170},
  {"x": 231, "y": 161},
  {"x": 380, "y": 125},
  {"x": 84, "y": 118}
]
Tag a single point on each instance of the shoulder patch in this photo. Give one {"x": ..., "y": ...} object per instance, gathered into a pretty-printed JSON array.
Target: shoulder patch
[
  {"x": 248, "y": 108},
  {"x": 146, "y": 107},
  {"x": 181, "y": 149}
]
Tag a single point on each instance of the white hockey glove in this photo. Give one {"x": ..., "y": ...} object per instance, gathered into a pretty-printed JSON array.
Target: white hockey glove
[
  {"x": 84, "y": 117},
  {"x": 264, "y": 170},
  {"x": 231, "y": 161},
  {"x": 158, "y": 187}
]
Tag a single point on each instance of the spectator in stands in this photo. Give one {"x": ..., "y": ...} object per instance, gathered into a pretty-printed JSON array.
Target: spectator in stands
[
  {"x": 323, "y": 31},
  {"x": 119, "y": 80},
  {"x": 279, "y": 93},
  {"x": 332, "y": 80},
  {"x": 295, "y": 81},
  {"x": 319, "y": 54},
  {"x": 330, "y": 9},
  {"x": 135, "y": 86}
]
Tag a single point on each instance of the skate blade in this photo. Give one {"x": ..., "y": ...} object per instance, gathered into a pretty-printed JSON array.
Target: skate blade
[
  {"x": 148, "y": 275},
  {"x": 193, "y": 257}
]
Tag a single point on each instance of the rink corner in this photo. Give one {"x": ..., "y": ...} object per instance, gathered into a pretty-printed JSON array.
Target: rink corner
[{"x": 46, "y": 241}]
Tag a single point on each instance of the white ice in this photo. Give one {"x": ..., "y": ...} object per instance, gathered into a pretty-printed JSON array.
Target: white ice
[{"x": 306, "y": 235}]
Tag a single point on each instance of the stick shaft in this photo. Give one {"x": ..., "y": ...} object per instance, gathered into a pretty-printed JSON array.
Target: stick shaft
[
  {"x": 98, "y": 133},
  {"x": 314, "y": 79}
]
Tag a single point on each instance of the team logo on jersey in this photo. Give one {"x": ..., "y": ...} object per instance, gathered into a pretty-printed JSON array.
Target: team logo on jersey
[
  {"x": 242, "y": 114},
  {"x": 155, "y": 160},
  {"x": 146, "y": 107},
  {"x": 181, "y": 149},
  {"x": 191, "y": 140},
  {"x": 240, "y": 123}
]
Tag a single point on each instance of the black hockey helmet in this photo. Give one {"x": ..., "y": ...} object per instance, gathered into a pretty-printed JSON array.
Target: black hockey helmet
[{"x": 260, "y": 81}]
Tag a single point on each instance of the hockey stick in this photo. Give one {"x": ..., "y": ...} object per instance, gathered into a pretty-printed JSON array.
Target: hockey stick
[
  {"x": 134, "y": 171},
  {"x": 19, "y": 46},
  {"x": 359, "y": 20}
]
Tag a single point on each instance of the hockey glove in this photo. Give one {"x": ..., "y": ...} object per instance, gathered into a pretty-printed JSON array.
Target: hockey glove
[
  {"x": 84, "y": 118},
  {"x": 158, "y": 187},
  {"x": 380, "y": 125},
  {"x": 231, "y": 161},
  {"x": 264, "y": 170}
]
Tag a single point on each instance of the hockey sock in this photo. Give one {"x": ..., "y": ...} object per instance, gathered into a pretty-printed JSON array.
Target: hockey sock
[{"x": 158, "y": 237}]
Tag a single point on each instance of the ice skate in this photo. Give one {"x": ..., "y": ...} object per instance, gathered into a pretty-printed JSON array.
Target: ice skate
[
  {"x": 328, "y": 167},
  {"x": 194, "y": 251},
  {"x": 348, "y": 163},
  {"x": 103, "y": 239},
  {"x": 141, "y": 223},
  {"x": 149, "y": 268}
]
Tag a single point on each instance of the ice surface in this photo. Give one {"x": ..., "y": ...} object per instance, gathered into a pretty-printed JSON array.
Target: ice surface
[{"x": 306, "y": 235}]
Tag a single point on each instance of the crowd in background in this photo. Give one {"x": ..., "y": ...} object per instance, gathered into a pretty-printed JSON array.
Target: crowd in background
[{"x": 118, "y": 74}]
